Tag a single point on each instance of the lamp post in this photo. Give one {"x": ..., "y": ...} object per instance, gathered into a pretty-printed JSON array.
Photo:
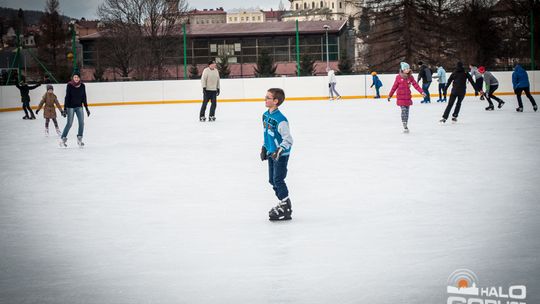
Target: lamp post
[
  {"x": 73, "y": 45},
  {"x": 326, "y": 28}
]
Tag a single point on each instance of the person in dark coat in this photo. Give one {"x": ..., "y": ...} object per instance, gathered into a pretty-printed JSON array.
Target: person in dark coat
[
  {"x": 73, "y": 103},
  {"x": 520, "y": 81},
  {"x": 25, "y": 97},
  {"x": 425, "y": 76},
  {"x": 459, "y": 79}
]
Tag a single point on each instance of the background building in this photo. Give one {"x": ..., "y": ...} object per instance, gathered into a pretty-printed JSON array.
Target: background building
[
  {"x": 208, "y": 16},
  {"x": 246, "y": 16}
]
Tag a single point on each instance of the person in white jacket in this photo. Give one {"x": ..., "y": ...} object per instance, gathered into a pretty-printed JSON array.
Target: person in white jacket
[{"x": 332, "y": 84}]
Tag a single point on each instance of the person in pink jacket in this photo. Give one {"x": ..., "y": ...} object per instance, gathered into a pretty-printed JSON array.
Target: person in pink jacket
[{"x": 402, "y": 84}]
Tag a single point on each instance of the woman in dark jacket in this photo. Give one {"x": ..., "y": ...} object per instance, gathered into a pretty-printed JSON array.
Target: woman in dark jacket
[
  {"x": 459, "y": 77},
  {"x": 73, "y": 103},
  {"x": 25, "y": 97}
]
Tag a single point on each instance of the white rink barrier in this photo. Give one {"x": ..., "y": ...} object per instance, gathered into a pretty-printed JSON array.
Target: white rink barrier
[{"x": 237, "y": 90}]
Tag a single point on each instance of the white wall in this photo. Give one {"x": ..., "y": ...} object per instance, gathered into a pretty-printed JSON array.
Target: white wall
[{"x": 233, "y": 89}]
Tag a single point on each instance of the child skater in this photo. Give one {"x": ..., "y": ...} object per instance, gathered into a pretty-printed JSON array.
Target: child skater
[
  {"x": 25, "y": 97},
  {"x": 276, "y": 149},
  {"x": 377, "y": 83},
  {"x": 520, "y": 82},
  {"x": 402, "y": 84},
  {"x": 459, "y": 77},
  {"x": 492, "y": 84},
  {"x": 49, "y": 100}
]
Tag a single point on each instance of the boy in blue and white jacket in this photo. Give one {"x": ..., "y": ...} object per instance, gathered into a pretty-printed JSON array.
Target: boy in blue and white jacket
[{"x": 276, "y": 149}]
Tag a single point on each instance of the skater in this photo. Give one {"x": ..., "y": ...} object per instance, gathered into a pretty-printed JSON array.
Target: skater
[
  {"x": 25, "y": 97},
  {"x": 441, "y": 78},
  {"x": 73, "y": 103},
  {"x": 377, "y": 83},
  {"x": 492, "y": 84},
  {"x": 276, "y": 149},
  {"x": 459, "y": 78},
  {"x": 402, "y": 84},
  {"x": 520, "y": 81},
  {"x": 478, "y": 80},
  {"x": 210, "y": 85},
  {"x": 49, "y": 100},
  {"x": 332, "y": 84},
  {"x": 425, "y": 76}
]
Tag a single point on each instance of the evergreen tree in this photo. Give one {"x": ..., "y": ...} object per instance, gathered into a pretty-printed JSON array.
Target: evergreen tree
[
  {"x": 344, "y": 64},
  {"x": 307, "y": 65},
  {"x": 265, "y": 65},
  {"x": 223, "y": 66},
  {"x": 193, "y": 71},
  {"x": 52, "y": 42}
]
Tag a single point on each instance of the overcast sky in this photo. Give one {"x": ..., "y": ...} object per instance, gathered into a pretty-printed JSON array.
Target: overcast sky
[{"x": 87, "y": 8}]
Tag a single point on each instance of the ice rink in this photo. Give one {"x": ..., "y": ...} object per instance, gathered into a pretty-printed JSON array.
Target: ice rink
[{"x": 160, "y": 208}]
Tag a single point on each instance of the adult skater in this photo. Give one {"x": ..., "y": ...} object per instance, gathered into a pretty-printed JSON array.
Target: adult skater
[
  {"x": 377, "y": 83},
  {"x": 210, "y": 85},
  {"x": 276, "y": 149},
  {"x": 402, "y": 84},
  {"x": 48, "y": 101},
  {"x": 492, "y": 84},
  {"x": 478, "y": 80},
  {"x": 24, "y": 88},
  {"x": 332, "y": 84},
  {"x": 459, "y": 78},
  {"x": 441, "y": 78},
  {"x": 425, "y": 76},
  {"x": 73, "y": 103},
  {"x": 520, "y": 81}
]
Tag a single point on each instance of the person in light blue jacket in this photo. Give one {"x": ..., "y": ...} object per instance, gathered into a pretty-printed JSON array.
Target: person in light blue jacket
[
  {"x": 520, "y": 81},
  {"x": 276, "y": 149},
  {"x": 441, "y": 76}
]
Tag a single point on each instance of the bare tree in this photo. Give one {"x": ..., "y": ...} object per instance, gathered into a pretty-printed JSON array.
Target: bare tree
[{"x": 52, "y": 42}]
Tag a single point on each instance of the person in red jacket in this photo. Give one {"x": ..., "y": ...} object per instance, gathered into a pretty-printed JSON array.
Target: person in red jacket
[{"x": 402, "y": 84}]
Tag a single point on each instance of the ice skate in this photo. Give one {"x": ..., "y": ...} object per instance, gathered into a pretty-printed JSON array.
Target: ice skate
[
  {"x": 442, "y": 120},
  {"x": 501, "y": 104},
  {"x": 58, "y": 132},
  {"x": 80, "y": 142},
  {"x": 405, "y": 128},
  {"x": 282, "y": 211},
  {"x": 519, "y": 109},
  {"x": 212, "y": 118},
  {"x": 63, "y": 142},
  {"x": 490, "y": 108},
  {"x": 46, "y": 131},
  {"x": 338, "y": 98},
  {"x": 26, "y": 117},
  {"x": 202, "y": 119},
  {"x": 454, "y": 119},
  {"x": 535, "y": 108}
]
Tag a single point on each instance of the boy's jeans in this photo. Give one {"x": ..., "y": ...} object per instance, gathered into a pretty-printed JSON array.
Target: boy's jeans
[
  {"x": 277, "y": 170},
  {"x": 425, "y": 88},
  {"x": 80, "y": 118}
]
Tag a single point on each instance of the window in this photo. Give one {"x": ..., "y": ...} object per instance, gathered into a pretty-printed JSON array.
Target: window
[
  {"x": 322, "y": 4},
  {"x": 235, "y": 18},
  {"x": 213, "y": 48},
  {"x": 259, "y": 18},
  {"x": 253, "y": 18},
  {"x": 230, "y": 18},
  {"x": 312, "y": 4},
  {"x": 305, "y": 5},
  {"x": 332, "y": 5},
  {"x": 296, "y": 6},
  {"x": 242, "y": 19},
  {"x": 340, "y": 5}
]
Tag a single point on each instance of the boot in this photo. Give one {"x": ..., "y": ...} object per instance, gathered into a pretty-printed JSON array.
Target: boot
[
  {"x": 520, "y": 109},
  {"x": 501, "y": 103},
  {"x": 490, "y": 108},
  {"x": 79, "y": 141},
  {"x": 535, "y": 107},
  {"x": 282, "y": 211}
]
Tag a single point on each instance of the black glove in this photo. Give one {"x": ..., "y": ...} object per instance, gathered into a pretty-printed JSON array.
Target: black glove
[
  {"x": 63, "y": 112},
  {"x": 329, "y": 85},
  {"x": 37, "y": 111},
  {"x": 204, "y": 92},
  {"x": 264, "y": 153},
  {"x": 217, "y": 93},
  {"x": 87, "y": 112},
  {"x": 277, "y": 153},
  {"x": 389, "y": 98}
]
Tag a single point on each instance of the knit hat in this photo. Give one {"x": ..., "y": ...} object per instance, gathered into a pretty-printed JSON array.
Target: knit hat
[
  {"x": 76, "y": 72},
  {"x": 50, "y": 87},
  {"x": 404, "y": 66},
  {"x": 481, "y": 69},
  {"x": 373, "y": 73}
]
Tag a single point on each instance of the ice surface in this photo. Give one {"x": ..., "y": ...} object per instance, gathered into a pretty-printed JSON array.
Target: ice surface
[{"x": 160, "y": 208}]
